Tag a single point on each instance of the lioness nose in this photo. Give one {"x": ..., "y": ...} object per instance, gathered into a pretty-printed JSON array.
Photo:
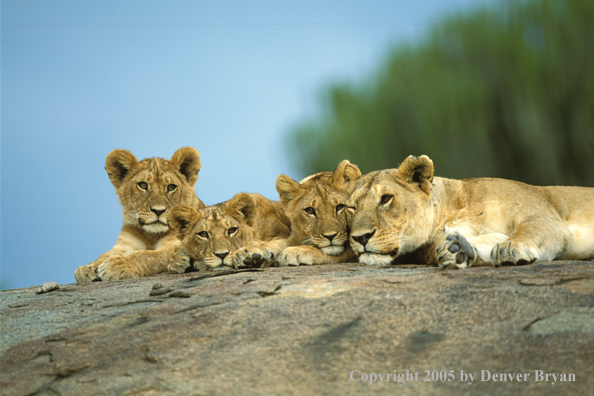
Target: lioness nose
[
  {"x": 330, "y": 237},
  {"x": 363, "y": 239},
  {"x": 158, "y": 212},
  {"x": 222, "y": 255}
]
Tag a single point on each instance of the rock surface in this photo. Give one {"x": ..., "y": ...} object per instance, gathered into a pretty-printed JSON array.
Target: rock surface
[{"x": 322, "y": 330}]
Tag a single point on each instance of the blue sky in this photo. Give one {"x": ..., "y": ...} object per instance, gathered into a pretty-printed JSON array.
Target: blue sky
[{"x": 229, "y": 78}]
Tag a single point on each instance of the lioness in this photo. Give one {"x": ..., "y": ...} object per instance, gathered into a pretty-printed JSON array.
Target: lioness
[
  {"x": 147, "y": 190},
  {"x": 459, "y": 223},
  {"x": 212, "y": 237},
  {"x": 315, "y": 207}
]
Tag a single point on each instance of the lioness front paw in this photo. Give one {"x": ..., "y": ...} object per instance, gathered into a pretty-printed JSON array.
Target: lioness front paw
[
  {"x": 296, "y": 255},
  {"x": 455, "y": 252},
  {"x": 178, "y": 260},
  {"x": 252, "y": 256},
  {"x": 516, "y": 253},
  {"x": 86, "y": 273},
  {"x": 116, "y": 268}
]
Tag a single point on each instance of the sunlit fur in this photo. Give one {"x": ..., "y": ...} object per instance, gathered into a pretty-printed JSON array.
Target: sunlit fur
[
  {"x": 409, "y": 211},
  {"x": 212, "y": 236},
  {"x": 147, "y": 190},
  {"x": 322, "y": 235}
]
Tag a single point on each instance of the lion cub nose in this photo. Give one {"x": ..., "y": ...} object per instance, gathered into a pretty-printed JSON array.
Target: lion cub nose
[
  {"x": 330, "y": 237},
  {"x": 158, "y": 211},
  {"x": 363, "y": 239},
  {"x": 221, "y": 255}
]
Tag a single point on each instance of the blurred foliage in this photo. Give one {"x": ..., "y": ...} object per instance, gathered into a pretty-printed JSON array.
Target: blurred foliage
[{"x": 501, "y": 92}]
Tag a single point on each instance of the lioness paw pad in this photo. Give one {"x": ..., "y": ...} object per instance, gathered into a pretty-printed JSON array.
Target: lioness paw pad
[{"x": 455, "y": 252}]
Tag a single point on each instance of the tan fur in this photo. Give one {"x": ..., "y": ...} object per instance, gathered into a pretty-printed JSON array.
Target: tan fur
[
  {"x": 147, "y": 190},
  {"x": 459, "y": 223},
  {"x": 215, "y": 236},
  {"x": 321, "y": 236}
]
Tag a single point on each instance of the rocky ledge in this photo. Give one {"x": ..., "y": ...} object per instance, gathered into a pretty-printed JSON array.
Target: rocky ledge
[{"x": 344, "y": 329}]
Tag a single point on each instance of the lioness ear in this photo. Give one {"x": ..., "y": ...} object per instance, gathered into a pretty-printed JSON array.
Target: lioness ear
[
  {"x": 187, "y": 161},
  {"x": 117, "y": 164},
  {"x": 346, "y": 173},
  {"x": 286, "y": 188},
  {"x": 181, "y": 219},
  {"x": 417, "y": 170},
  {"x": 243, "y": 208}
]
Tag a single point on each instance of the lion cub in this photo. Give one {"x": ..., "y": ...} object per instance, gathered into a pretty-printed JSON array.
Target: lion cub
[
  {"x": 147, "y": 190},
  {"x": 212, "y": 237},
  {"x": 315, "y": 206},
  {"x": 459, "y": 223}
]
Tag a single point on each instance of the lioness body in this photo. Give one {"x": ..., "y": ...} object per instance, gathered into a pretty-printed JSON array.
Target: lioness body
[
  {"x": 216, "y": 235},
  {"x": 146, "y": 189},
  {"x": 459, "y": 223}
]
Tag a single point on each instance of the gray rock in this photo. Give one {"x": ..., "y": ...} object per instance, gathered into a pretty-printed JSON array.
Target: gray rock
[{"x": 321, "y": 330}]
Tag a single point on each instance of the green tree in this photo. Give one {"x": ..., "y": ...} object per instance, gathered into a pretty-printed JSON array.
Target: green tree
[{"x": 506, "y": 92}]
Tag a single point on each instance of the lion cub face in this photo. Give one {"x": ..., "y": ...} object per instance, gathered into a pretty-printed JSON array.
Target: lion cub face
[
  {"x": 387, "y": 211},
  {"x": 316, "y": 206},
  {"x": 148, "y": 189},
  {"x": 213, "y": 234}
]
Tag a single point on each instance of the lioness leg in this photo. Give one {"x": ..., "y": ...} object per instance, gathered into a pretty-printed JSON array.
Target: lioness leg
[{"x": 536, "y": 239}]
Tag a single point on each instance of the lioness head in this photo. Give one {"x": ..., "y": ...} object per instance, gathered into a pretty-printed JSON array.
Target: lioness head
[
  {"x": 213, "y": 234},
  {"x": 389, "y": 211},
  {"x": 149, "y": 188},
  {"x": 316, "y": 205}
]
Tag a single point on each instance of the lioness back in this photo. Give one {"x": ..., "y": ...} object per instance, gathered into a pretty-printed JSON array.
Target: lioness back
[
  {"x": 211, "y": 237},
  {"x": 147, "y": 190},
  {"x": 459, "y": 223}
]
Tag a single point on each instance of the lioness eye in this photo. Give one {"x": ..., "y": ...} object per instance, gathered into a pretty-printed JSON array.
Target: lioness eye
[
  {"x": 310, "y": 211},
  {"x": 203, "y": 234},
  {"x": 143, "y": 186},
  {"x": 386, "y": 198},
  {"x": 339, "y": 207},
  {"x": 232, "y": 231},
  {"x": 171, "y": 187}
]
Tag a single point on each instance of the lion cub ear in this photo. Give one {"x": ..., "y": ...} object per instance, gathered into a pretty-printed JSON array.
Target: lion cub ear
[
  {"x": 117, "y": 164},
  {"x": 186, "y": 160},
  {"x": 182, "y": 218},
  {"x": 242, "y": 207},
  {"x": 346, "y": 173},
  {"x": 287, "y": 188},
  {"x": 418, "y": 171}
]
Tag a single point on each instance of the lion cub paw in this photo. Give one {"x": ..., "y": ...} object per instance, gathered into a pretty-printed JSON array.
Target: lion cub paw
[
  {"x": 516, "y": 253},
  {"x": 296, "y": 255},
  {"x": 116, "y": 268},
  {"x": 87, "y": 273},
  {"x": 178, "y": 260},
  {"x": 253, "y": 255},
  {"x": 455, "y": 252}
]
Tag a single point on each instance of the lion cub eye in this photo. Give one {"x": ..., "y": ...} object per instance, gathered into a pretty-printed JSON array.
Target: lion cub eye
[
  {"x": 143, "y": 186},
  {"x": 232, "y": 231},
  {"x": 385, "y": 199},
  {"x": 203, "y": 234},
  {"x": 310, "y": 211},
  {"x": 171, "y": 187},
  {"x": 339, "y": 208}
]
